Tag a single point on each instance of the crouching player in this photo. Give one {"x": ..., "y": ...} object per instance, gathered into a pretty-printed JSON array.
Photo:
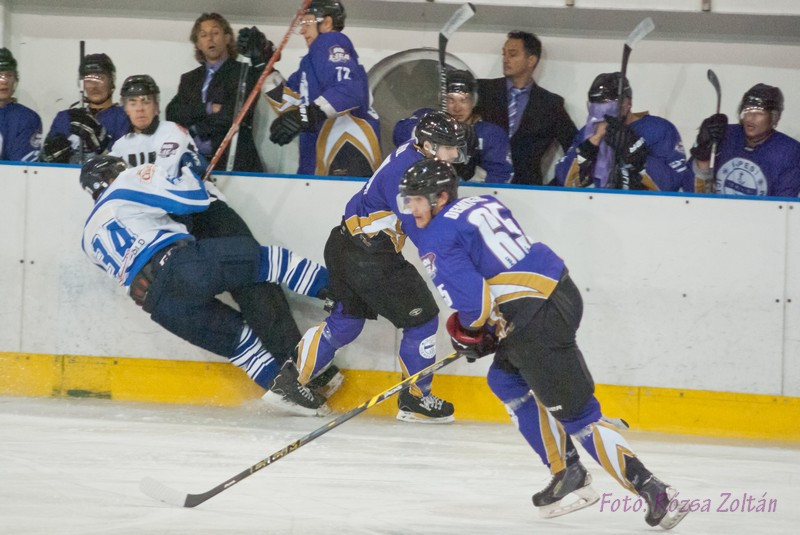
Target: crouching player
[{"x": 515, "y": 298}]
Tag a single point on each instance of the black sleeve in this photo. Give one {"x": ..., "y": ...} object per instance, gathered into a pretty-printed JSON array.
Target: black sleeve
[
  {"x": 185, "y": 108},
  {"x": 565, "y": 128}
]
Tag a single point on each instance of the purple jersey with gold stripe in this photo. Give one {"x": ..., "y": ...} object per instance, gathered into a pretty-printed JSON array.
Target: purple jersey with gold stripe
[{"x": 479, "y": 259}]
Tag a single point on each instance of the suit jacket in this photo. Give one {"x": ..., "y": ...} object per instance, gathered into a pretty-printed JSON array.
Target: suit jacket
[
  {"x": 188, "y": 110},
  {"x": 544, "y": 120}
]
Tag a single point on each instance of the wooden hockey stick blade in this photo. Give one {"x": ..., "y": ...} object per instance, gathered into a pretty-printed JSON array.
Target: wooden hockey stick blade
[
  {"x": 640, "y": 32},
  {"x": 161, "y": 492},
  {"x": 462, "y": 15},
  {"x": 712, "y": 77}
]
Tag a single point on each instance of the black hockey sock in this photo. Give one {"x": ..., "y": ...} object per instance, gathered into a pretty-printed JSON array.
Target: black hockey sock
[{"x": 635, "y": 472}]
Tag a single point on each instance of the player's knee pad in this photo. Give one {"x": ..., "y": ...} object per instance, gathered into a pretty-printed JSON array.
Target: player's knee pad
[{"x": 506, "y": 385}]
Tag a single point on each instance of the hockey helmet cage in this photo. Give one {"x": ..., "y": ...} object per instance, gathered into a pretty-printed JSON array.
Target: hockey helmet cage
[
  {"x": 98, "y": 171},
  {"x": 138, "y": 85},
  {"x": 605, "y": 88},
  {"x": 98, "y": 64},
  {"x": 328, "y": 8},
  {"x": 427, "y": 178},
  {"x": 763, "y": 97},
  {"x": 7, "y": 62}
]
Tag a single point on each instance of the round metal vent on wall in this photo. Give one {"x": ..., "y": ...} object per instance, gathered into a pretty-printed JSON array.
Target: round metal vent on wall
[{"x": 403, "y": 83}]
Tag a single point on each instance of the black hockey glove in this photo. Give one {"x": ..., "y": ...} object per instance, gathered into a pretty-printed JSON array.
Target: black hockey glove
[
  {"x": 56, "y": 149},
  {"x": 85, "y": 126},
  {"x": 472, "y": 344},
  {"x": 586, "y": 155},
  {"x": 253, "y": 44},
  {"x": 630, "y": 148},
  {"x": 712, "y": 130},
  {"x": 286, "y": 127}
]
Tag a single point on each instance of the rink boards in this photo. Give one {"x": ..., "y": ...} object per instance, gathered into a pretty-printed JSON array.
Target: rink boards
[{"x": 690, "y": 322}]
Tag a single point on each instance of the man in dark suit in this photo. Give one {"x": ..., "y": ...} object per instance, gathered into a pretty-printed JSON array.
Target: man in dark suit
[
  {"x": 207, "y": 96},
  {"x": 533, "y": 117}
]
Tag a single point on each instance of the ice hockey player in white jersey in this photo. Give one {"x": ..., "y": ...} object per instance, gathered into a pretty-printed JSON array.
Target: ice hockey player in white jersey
[
  {"x": 174, "y": 277},
  {"x": 263, "y": 305}
]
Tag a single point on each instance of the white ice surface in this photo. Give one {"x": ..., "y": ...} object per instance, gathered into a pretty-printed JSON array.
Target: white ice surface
[{"x": 73, "y": 467}]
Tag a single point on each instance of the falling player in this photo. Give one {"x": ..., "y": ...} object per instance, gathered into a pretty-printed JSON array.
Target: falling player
[
  {"x": 175, "y": 278},
  {"x": 327, "y": 101},
  {"x": 263, "y": 305},
  {"x": 752, "y": 157},
  {"x": 515, "y": 298}
]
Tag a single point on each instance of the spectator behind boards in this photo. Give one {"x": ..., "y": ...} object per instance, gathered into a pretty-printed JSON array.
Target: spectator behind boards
[{"x": 533, "y": 117}]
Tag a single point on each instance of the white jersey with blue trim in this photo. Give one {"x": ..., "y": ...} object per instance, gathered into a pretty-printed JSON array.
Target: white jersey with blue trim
[{"x": 130, "y": 221}]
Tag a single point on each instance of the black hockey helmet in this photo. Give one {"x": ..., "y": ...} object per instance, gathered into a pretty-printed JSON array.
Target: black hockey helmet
[
  {"x": 605, "y": 88},
  {"x": 459, "y": 81},
  {"x": 98, "y": 64},
  {"x": 7, "y": 62},
  {"x": 328, "y": 8},
  {"x": 763, "y": 97},
  {"x": 440, "y": 128},
  {"x": 139, "y": 85},
  {"x": 428, "y": 178},
  {"x": 98, "y": 171}
]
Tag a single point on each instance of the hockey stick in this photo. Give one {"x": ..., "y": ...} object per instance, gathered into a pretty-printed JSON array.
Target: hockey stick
[
  {"x": 712, "y": 77},
  {"x": 239, "y": 98},
  {"x": 256, "y": 89},
  {"x": 461, "y": 15},
  {"x": 638, "y": 33},
  {"x": 159, "y": 491}
]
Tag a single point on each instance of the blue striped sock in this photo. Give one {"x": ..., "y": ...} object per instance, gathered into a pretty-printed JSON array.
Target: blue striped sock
[{"x": 251, "y": 356}]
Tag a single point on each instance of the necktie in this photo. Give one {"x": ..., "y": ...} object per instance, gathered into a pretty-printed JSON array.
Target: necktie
[
  {"x": 207, "y": 82},
  {"x": 513, "y": 111}
]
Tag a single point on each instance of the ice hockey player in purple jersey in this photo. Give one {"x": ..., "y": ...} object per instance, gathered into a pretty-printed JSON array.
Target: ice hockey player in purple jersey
[
  {"x": 490, "y": 158},
  {"x": 20, "y": 126},
  {"x": 369, "y": 276},
  {"x": 752, "y": 157},
  {"x": 640, "y": 152},
  {"x": 327, "y": 101},
  {"x": 96, "y": 123},
  {"x": 514, "y": 297},
  {"x": 175, "y": 278}
]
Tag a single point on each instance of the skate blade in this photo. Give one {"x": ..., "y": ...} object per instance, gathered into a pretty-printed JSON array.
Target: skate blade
[
  {"x": 413, "y": 417},
  {"x": 585, "y": 496},
  {"x": 672, "y": 520},
  {"x": 275, "y": 401}
]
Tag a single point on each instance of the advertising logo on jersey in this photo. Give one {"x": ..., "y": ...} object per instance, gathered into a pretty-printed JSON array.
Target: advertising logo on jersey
[
  {"x": 168, "y": 149},
  {"x": 740, "y": 176},
  {"x": 337, "y": 54},
  {"x": 146, "y": 172},
  {"x": 429, "y": 263}
]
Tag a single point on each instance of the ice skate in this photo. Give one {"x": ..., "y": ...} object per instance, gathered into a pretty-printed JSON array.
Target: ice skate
[
  {"x": 662, "y": 508},
  {"x": 572, "y": 482},
  {"x": 427, "y": 409},
  {"x": 328, "y": 382},
  {"x": 291, "y": 397}
]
